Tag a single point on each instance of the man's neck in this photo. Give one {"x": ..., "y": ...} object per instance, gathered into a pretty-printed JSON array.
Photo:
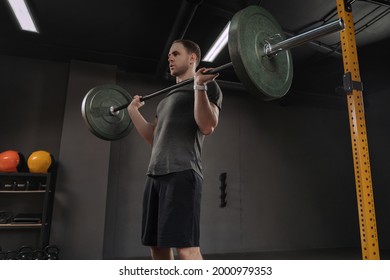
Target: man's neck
[{"x": 188, "y": 75}]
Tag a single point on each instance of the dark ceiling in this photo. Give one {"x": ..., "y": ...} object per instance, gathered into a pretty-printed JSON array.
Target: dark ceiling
[{"x": 136, "y": 35}]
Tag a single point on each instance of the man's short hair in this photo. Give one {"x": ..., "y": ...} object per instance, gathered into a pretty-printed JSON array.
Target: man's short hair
[{"x": 191, "y": 47}]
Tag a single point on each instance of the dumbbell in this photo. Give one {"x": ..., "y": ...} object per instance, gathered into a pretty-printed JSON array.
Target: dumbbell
[
  {"x": 52, "y": 252},
  {"x": 11, "y": 255},
  {"x": 38, "y": 255},
  {"x": 25, "y": 253}
]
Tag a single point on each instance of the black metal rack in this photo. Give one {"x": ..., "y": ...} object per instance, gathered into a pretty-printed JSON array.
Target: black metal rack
[{"x": 28, "y": 198}]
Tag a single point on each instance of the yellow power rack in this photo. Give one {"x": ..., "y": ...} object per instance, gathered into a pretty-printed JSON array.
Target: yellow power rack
[{"x": 361, "y": 160}]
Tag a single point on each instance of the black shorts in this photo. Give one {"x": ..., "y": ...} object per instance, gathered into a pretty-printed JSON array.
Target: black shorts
[{"x": 171, "y": 210}]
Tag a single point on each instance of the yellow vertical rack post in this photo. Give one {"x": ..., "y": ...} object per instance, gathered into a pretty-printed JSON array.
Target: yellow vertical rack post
[{"x": 352, "y": 84}]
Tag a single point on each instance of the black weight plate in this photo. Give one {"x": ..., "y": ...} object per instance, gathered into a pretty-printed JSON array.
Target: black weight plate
[
  {"x": 267, "y": 78},
  {"x": 95, "y": 110}
]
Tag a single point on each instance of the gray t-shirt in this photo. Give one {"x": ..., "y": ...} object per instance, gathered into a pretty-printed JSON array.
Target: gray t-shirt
[{"x": 177, "y": 143}]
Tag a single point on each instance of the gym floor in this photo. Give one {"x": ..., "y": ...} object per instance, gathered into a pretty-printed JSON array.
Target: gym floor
[{"x": 317, "y": 254}]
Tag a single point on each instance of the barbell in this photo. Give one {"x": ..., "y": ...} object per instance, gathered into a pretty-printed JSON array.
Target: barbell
[{"x": 260, "y": 56}]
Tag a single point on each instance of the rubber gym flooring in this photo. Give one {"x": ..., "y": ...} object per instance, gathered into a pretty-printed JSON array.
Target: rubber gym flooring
[{"x": 316, "y": 254}]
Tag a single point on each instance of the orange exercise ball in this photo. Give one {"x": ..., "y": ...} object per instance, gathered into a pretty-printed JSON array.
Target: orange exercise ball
[{"x": 11, "y": 161}]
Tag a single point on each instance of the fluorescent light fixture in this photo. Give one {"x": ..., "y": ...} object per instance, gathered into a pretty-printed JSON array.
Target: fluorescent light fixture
[
  {"x": 20, "y": 9},
  {"x": 218, "y": 45}
]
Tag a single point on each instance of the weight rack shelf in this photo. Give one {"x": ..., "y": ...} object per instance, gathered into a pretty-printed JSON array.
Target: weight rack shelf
[
  {"x": 27, "y": 193},
  {"x": 20, "y": 225},
  {"x": 36, "y": 191}
]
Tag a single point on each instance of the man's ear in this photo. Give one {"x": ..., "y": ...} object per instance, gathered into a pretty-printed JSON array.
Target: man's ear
[{"x": 193, "y": 58}]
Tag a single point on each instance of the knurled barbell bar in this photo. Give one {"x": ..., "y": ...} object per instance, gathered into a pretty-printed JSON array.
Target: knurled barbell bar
[{"x": 259, "y": 55}]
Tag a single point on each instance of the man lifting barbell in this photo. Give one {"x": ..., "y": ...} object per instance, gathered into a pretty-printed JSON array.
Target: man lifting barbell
[
  {"x": 171, "y": 206},
  {"x": 187, "y": 114}
]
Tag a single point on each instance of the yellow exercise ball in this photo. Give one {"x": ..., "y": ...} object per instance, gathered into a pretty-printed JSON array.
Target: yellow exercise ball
[{"x": 39, "y": 162}]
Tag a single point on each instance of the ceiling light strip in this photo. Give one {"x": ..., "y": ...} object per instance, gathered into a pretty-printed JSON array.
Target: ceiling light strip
[
  {"x": 218, "y": 45},
  {"x": 22, "y": 13}
]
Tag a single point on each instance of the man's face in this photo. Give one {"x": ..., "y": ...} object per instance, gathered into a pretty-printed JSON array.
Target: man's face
[{"x": 179, "y": 59}]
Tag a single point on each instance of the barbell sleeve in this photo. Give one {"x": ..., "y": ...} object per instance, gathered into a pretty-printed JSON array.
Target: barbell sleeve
[{"x": 272, "y": 49}]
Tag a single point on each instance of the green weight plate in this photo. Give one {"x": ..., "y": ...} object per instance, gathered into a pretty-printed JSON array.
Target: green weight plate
[
  {"x": 95, "y": 110},
  {"x": 267, "y": 78}
]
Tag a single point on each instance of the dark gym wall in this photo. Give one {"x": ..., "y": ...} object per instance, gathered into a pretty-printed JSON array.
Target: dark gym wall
[
  {"x": 128, "y": 160},
  {"x": 80, "y": 201},
  {"x": 374, "y": 75},
  {"x": 32, "y": 102}
]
